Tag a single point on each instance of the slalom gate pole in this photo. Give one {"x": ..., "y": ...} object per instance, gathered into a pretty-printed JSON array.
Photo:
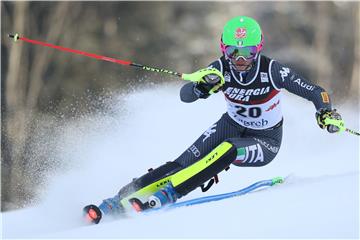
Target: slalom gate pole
[{"x": 16, "y": 38}]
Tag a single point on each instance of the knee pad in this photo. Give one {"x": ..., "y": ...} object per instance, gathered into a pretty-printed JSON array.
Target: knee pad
[{"x": 196, "y": 174}]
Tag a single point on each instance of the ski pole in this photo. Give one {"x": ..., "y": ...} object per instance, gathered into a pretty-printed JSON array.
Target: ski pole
[
  {"x": 16, "y": 38},
  {"x": 352, "y": 132},
  {"x": 193, "y": 77},
  {"x": 341, "y": 125}
]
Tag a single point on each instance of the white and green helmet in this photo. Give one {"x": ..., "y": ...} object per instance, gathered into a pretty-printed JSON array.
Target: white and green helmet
[{"x": 244, "y": 34}]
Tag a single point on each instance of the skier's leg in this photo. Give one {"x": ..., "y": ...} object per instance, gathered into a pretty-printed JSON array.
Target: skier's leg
[
  {"x": 257, "y": 148},
  {"x": 200, "y": 153},
  {"x": 183, "y": 179},
  {"x": 202, "y": 161},
  {"x": 253, "y": 148},
  {"x": 189, "y": 178},
  {"x": 143, "y": 186}
]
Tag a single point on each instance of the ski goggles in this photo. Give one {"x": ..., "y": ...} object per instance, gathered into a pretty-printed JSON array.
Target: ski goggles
[{"x": 236, "y": 53}]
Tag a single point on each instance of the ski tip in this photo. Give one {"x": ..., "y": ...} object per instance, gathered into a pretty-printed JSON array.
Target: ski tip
[
  {"x": 277, "y": 180},
  {"x": 92, "y": 214}
]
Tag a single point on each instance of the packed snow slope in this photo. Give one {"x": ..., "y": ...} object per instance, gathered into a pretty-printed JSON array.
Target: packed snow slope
[{"x": 149, "y": 127}]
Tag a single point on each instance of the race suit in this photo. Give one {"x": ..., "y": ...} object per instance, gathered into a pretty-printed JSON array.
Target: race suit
[
  {"x": 253, "y": 121},
  {"x": 247, "y": 135}
]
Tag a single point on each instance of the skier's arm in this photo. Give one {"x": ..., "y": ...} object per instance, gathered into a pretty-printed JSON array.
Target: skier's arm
[
  {"x": 202, "y": 87},
  {"x": 284, "y": 77},
  {"x": 187, "y": 93},
  {"x": 191, "y": 92}
]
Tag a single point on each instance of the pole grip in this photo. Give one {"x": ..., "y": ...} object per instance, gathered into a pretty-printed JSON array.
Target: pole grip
[{"x": 336, "y": 122}]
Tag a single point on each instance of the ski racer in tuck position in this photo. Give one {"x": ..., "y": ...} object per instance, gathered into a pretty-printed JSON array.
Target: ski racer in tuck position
[{"x": 247, "y": 135}]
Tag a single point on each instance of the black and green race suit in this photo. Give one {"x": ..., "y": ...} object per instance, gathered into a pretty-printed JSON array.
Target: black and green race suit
[{"x": 247, "y": 135}]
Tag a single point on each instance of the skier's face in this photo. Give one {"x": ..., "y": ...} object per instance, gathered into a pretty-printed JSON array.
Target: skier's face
[
  {"x": 242, "y": 64},
  {"x": 241, "y": 58}
]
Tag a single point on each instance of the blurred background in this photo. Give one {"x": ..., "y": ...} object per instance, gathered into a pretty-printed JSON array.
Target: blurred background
[{"x": 42, "y": 87}]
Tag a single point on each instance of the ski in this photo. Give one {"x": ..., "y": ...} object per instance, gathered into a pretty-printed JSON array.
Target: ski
[
  {"x": 93, "y": 214},
  {"x": 218, "y": 197}
]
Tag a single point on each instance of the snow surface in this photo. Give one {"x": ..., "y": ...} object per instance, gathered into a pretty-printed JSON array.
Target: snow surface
[{"x": 319, "y": 200}]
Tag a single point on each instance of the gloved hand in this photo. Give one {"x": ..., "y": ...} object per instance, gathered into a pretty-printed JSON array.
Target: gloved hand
[
  {"x": 330, "y": 119},
  {"x": 203, "y": 87},
  {"x": 206, "y": 81}
]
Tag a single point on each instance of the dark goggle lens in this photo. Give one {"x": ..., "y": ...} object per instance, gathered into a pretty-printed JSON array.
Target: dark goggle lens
[{"x": 240, "y": 52}]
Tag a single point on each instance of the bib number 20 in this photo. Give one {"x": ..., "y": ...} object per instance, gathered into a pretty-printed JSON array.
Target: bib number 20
[{"x": 253, "y": 112}]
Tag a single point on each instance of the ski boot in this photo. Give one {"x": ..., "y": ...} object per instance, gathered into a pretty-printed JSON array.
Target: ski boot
[
  {"x": 112, "y": 206},
  {"x": 164, "y": 196}
]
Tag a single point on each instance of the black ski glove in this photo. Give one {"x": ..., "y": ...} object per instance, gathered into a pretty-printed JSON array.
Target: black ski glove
[
  {"x": 202, "y": 88},
  {"x": 323, "y": 114}
]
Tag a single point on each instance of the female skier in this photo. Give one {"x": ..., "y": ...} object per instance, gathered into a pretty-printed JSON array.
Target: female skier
[{"x": 247, "y": 135}]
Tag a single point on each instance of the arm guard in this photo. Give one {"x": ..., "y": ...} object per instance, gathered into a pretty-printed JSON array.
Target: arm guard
[{"x": 203, "y": 83}]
